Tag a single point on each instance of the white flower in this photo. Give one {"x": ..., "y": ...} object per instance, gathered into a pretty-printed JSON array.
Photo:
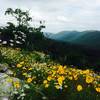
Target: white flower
[{"x": 4, "y": 42}]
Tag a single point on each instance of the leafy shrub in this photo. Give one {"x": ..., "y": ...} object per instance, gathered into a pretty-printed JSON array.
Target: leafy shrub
[
  {"x": 20, "y": 34},
  {"x": 13, "y": 56}
]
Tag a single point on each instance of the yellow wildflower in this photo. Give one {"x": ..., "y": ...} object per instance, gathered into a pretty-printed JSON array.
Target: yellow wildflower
[
  {"x": 22, "y": 62},
  {"x": 69, "y": 73},
  {"x": 79, "y": 88},
  {"x": 53, "y": 73},
  {"x": 46, "y": 85},
  {"x": 65, "y": 67},
  {"x": 30, "y": 68},
  {"x": 49, "y": 78},
  {"x": 86, "y": 71},
  {"x": 60, "y": 80},
  {"x": 24, "y": 74},
  {"x": 70, "y": 77},
  {"x": 89, "y": 79},
  {"x": 45, "y": 82},
  {"x": 29, "y": 80},
  {"x": 75, "y": 77},
  {"x": 61, "y": 70},
  {"x": 57, "y": 86},
  {"x": 17, "y": 84},
  {"x": 97, "y": 89},
  {"x": 19, "y": 65}
]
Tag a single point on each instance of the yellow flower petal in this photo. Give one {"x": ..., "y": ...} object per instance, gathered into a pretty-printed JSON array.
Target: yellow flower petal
[
  {"x": 79, "y": 88},
  {"x": 45, "y": 82},
  {"x": 19, "y": 65},
  {"x": 46, "y": 85},
  {"x": 97, "y": 89},
  {"x": 89, "y": 79},
  {"x": 29, "y": 80}
]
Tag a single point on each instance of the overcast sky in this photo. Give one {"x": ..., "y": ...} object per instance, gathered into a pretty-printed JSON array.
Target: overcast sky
[{"x": 59, "y": 15}]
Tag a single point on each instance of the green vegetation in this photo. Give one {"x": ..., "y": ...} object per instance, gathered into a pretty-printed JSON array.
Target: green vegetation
[
  {"x": 41, "y": 77},
  {"x": 42, "y": 68},
  {"x": 20, "y": 34}
]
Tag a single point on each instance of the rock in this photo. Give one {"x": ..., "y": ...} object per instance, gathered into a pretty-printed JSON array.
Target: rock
[
  {"x": 3, "y": 67},
  {"x": 6, "y": 85},
  {"x": 9, "y": 72},
  {"x": 4, "y": 98}
]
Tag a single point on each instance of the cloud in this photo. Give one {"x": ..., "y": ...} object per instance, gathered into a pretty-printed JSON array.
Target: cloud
[
  {"x": 59, "y": 14},
  {"x": 63, "y": 19}
]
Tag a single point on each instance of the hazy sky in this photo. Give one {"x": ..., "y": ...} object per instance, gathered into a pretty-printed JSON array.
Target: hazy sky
[{"x": 58, "y": 14}]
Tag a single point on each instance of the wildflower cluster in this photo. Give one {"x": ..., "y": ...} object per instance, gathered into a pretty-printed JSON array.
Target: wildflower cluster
[
  {"x": 41, "y": 77},
  {"x": 60, "y": 75}
]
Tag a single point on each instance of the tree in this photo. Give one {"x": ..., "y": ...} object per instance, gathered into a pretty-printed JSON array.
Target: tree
[
  {"x": 22, "y": 17},
  {"x": 22, "y": 33}
]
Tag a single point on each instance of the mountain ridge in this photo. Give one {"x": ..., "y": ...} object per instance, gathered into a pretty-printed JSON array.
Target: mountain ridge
[{"x": 90, "y": 38}]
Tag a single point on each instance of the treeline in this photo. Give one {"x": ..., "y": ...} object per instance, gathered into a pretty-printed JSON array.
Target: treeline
[{"x": 69, "y": 54}]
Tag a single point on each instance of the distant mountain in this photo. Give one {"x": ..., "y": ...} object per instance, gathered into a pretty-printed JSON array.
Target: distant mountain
[
  {"x": 67, "y": 35},
  {"x": 91, "y": 38},
  {"x": 86, "y": 38}
]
